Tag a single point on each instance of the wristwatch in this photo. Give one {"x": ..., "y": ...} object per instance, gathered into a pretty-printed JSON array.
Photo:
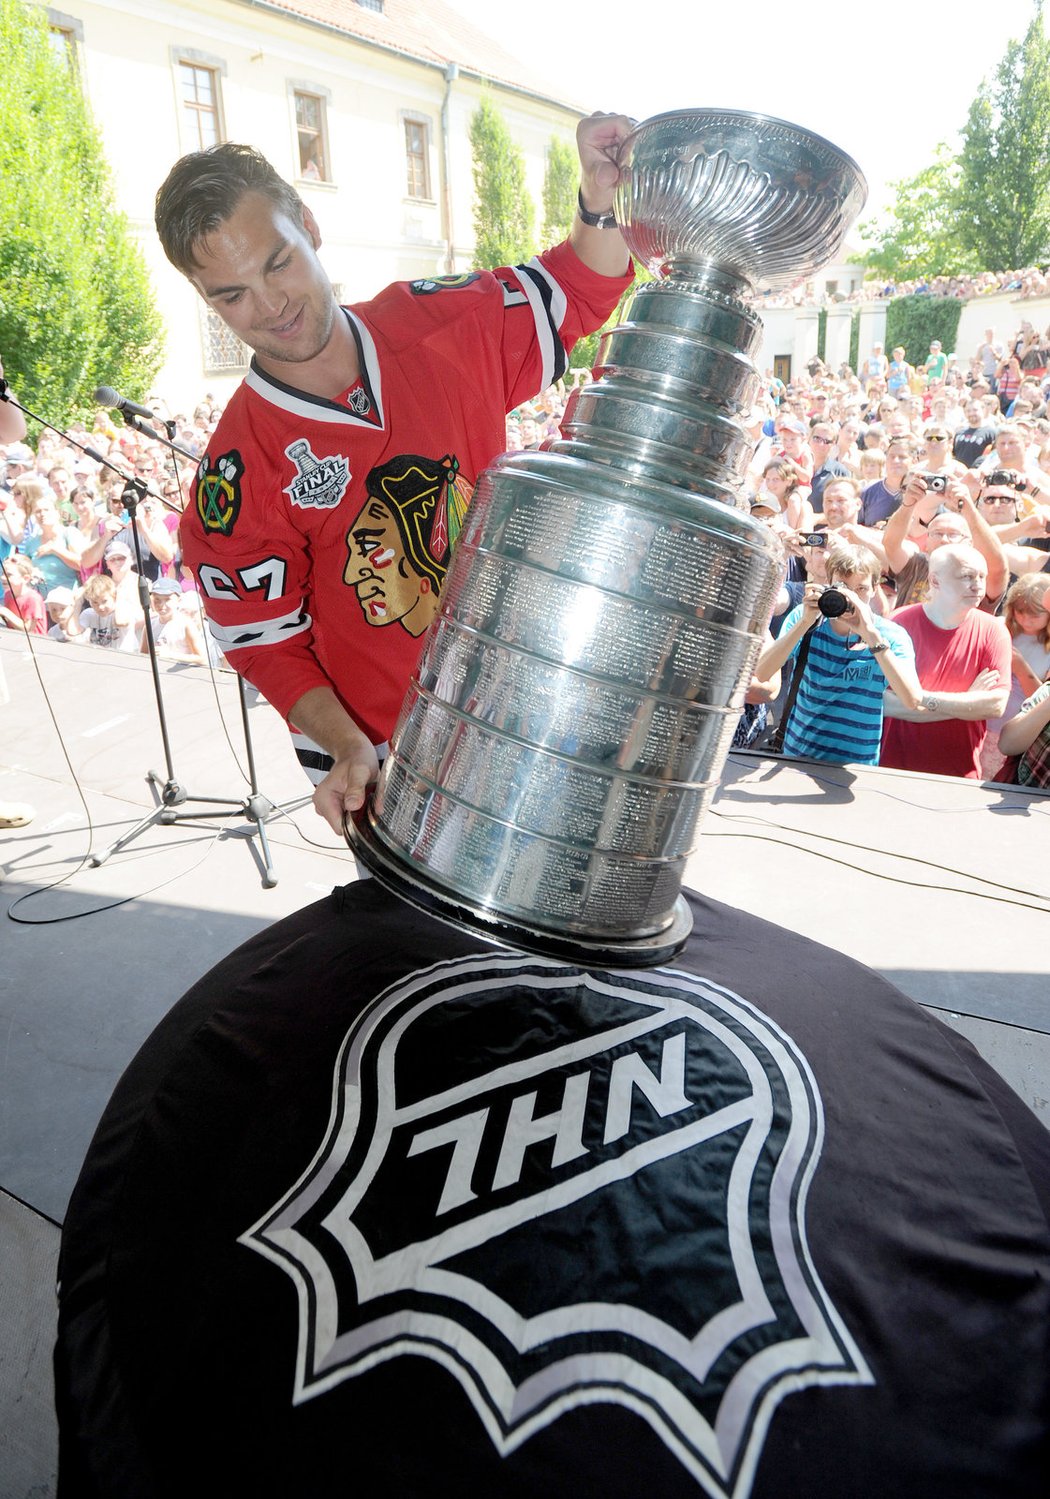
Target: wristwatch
[
  {"x": 606, "y": 220},
  {"x": 879, "y": 646}
]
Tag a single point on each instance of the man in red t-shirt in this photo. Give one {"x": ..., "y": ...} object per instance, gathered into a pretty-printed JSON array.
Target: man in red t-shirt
[
  {"x": 963, "y": 657},
  {"x": 332, "y": 492}
]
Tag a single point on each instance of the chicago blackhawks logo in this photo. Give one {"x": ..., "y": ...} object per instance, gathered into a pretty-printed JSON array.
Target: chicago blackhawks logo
[
  {"x": 443, "y": 1214},
  {"x": 320, "y": 483},
  {"x": 399, "y": 545},
  {"x": 218, "y": 495}
]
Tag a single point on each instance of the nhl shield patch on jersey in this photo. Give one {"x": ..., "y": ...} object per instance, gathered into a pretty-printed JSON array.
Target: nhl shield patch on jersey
[
  {"x": 319, "y": 483},
  {"x": 218, "y": 493},
  {"x": 567, "y": 1187}
]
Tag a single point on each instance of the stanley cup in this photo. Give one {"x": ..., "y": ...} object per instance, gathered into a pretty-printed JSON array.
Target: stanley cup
[{"x": 578, "y": 692}]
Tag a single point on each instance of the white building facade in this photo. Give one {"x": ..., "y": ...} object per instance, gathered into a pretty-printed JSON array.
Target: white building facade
[{"x": 365, "y": 105}]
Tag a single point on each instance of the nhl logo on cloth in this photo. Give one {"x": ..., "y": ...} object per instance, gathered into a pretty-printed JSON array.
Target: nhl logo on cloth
[
  {"x": 568, "y": 1187},
  {"x": 320, "y": 483}
]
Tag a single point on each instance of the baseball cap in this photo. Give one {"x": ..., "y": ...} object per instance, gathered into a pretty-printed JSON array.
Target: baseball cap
[
  {"x": 165, "y": 585},
  {"x": 59, "y": 596}
]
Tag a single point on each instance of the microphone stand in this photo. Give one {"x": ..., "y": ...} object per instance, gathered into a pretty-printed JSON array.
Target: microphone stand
[{"x": 255, "y": 807}]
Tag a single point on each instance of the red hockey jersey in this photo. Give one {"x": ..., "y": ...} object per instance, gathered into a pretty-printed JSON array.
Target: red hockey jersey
[{"x": 320, "y": 530}]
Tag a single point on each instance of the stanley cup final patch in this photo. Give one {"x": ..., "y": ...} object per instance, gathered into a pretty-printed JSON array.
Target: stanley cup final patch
[
  {"x": 319, "y": 483},
  {"x": 655, "y": 1118}
]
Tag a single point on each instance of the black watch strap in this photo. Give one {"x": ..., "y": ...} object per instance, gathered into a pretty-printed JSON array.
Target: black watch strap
[{"x": 606, "y": 220}]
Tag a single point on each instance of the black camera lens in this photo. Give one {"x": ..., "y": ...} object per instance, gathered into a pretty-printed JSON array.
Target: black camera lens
[{"x": 832, "y": 603}]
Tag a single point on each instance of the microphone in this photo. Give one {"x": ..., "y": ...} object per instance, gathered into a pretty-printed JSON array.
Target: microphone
[{"x": 105, "y": 395}]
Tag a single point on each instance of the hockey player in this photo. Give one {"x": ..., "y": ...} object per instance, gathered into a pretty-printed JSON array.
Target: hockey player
[{"x": 327, "y": 505}]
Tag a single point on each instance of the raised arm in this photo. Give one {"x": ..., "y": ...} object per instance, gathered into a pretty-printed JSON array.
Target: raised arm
[
  {"x": 896, "y": 544},
  {"x": 598, "y": 140}
]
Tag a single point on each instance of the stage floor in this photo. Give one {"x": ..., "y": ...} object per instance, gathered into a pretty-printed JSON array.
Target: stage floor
[{"x": 942, "y": 886}]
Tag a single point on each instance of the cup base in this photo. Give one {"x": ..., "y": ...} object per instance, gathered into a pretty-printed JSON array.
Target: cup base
[{"x": 604, "y": 952}]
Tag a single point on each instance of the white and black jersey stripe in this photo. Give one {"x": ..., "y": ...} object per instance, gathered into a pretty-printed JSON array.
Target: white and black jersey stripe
[
  {"x": 251, "y": 633},
  {"x": 548, "y": 309}
]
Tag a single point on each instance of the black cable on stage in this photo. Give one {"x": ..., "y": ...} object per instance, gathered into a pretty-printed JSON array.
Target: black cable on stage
[
  {"x": 804, "y": 768},
  {"x": 891, "y": 879},
  {"x": 71, "y": 874}
]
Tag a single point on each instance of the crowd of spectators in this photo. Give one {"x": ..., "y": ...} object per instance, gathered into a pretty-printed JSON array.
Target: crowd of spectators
[
  {"x": 918, "y": 493},
  {"x": 71, "y": 568},
  {"x": 921, "y": 493},
  {"x": 1029, "y": 282}
]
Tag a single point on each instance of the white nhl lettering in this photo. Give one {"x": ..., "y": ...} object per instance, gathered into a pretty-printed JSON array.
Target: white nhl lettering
[
  {"x": 464, "y": 1135},
  {"x": 666, "y": 1094},
  {"x": 564, "y": 1126}
]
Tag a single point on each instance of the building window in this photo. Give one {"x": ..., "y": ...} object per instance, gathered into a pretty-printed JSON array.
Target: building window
[
  {"x": 371, "y": 5},
  {"x": 310, "y": 123},
  {"x": 200, "y": 101},
  {"x": 64, "y": 46},
  {"x": 223, "y": 350},
  {"x": 65, "y": 33},
  {"x": 417, "y": 158}
]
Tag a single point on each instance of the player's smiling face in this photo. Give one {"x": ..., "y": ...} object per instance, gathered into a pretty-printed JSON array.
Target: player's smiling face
[{"x": 259, "y": 270}]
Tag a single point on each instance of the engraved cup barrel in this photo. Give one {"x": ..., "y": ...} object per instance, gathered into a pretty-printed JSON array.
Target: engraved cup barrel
[
  {"x": 578, "y": 692},
  {"x": 575, "y": 699}
]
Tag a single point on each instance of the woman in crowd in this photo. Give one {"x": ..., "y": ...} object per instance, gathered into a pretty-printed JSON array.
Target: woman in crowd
[
  {"x": 1026, "y": 616},
  {"x": 1008, "y": 381},
  {"x": 54, "y": 548},
  {"x": 1027, "y": 733},
  {"x": 778, "y": 494},
  {"x": 86, "y": 505},
  {"x": 847, "y": 451}
]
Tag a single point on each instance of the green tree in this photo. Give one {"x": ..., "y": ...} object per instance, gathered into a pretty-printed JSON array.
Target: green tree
[
  {"x": 1003, "y": 200},
  {"x": 76, "y": 308},
  {"x": 560, "y": 185},
  {"x": 914, "y": 322},
  {"x": 504, "y": 217},
  {"x": 919, "y": 236}
]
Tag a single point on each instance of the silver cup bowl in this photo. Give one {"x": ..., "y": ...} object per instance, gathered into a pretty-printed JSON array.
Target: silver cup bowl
[{"x": 756, "y": 198}]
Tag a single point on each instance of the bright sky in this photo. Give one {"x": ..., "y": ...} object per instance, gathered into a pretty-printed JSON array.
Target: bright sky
[{"x": 886, "y": 89}]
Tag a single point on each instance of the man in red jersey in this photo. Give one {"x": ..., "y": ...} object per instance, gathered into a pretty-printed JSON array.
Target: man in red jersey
[
  {"x": 962, "y": 656},
  {"x": 332, "y": 492}
]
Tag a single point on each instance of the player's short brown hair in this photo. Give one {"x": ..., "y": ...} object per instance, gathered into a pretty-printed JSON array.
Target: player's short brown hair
[{"x": 202, "y": 190}]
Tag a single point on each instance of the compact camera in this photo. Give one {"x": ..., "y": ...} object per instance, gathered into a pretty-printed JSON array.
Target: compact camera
[{"x": 935, "y": 483}]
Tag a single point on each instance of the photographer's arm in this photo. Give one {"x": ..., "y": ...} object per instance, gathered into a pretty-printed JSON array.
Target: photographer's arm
[
  {"x": 986, "y": 542},
  {"x": 899, "y": 549},
  {"x": 777, "y": 652},
  {"x": 1019, "y": 732}
]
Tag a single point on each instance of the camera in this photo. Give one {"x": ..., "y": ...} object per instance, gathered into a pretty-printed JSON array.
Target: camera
[
  {"x": 833, "y": 603},
  {"x": 1006, "y": 478},
  {"x": 814, "y": 538},
  {"x": 935, "y": 483}
]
